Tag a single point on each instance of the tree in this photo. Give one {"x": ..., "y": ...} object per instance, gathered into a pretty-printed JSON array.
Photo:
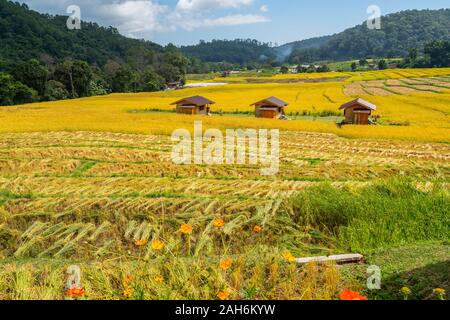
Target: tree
[
  {"x": 82, "y": 76},
  {"x": 55, "y": 90},
  {"x": 76, "y": 76},
  {"x": 363, "y": 62},
  {"x": 153, "y": 81},
  {"x": 354, "y": 66},
  {"x": 170, "y": 73},
  {"x": 382, "y": 64},
  {"x": 14, "y": 92},
  {"x": 284, "y": 69},
  {"x": 125, "y": 79},
  {"x": 32, "y": 74},
  {"x": 413, "y": 54},
  {"x": 323, "y": 68},
  {"x": 438, "y": 53}
]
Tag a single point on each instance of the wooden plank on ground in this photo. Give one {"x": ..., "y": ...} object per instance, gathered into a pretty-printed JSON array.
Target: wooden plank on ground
[{"x": 339, "y": 259}]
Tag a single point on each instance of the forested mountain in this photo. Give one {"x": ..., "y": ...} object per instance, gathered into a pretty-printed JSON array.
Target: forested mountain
[
  {"x": 239, "y": 51},
  {"x": 286, "y": 50},
  {"x": 399, "y": 33},
  {"x": 41, "y": 59},
  {"x": 27, "y": 34}
]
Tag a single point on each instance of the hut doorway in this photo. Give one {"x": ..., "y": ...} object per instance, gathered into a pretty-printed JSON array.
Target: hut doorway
[{"x": 361, "y": 117}]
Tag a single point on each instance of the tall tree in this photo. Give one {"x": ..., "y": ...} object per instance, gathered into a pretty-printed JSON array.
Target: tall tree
[
  {"x": 14, "y": 92},
  {"x": 32, "y": 74},
  {"x": 439, "y": 53}
]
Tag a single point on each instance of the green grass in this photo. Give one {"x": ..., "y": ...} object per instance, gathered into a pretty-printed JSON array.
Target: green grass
[
  {"x": 397, "y": 227},
  {"x": 421, "y": 267},
  {"x": 84, "y": 166},
  {"x": 381, "y": 215},
  {"x": 6, "y": 195}
]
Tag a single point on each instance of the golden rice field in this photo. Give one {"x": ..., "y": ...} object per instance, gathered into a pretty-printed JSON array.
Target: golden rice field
[
  {"x": 90, "y": 182},
  {"x": 420, "y": 103}
]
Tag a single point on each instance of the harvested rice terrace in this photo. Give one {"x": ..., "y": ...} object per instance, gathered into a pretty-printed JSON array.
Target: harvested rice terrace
[
  {"x": 398, "y": 86},
  {"x": 61, "y": 189}
]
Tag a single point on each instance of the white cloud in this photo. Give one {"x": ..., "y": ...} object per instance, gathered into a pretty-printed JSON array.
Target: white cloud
[
  {"x": 194, "y": 14},
  {"x": 264, "y": 8},
  {"x": 136, "y": 18},
  {"x": 224, "y": 21},
  {"x": 197, "y": 5}
]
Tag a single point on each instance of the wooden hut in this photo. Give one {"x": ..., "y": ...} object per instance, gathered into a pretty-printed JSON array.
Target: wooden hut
[
  {"x": 357, "y": 111},
  {"x": 272, "y": 108},
  {"x": 194, "y": 105}
]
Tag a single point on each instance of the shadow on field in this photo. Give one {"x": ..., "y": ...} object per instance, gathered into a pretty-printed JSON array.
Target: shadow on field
[{"x": 421, "y": 281}]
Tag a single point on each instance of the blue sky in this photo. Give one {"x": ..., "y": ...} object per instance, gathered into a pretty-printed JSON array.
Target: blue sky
[{"x": 188, "y": 21}]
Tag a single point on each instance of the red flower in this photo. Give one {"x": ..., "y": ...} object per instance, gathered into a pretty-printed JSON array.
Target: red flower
[{"x": 351, "y": 295}]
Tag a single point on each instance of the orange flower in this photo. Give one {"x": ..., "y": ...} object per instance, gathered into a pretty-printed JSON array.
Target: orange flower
[
  {"x": 219, "y": 223},
  {"x": 257, "y": 229},
  {"x": 157, "y": 245},
  {"x": 140, "y": 243},
  {"x": 127, "y": 280},
  {"x": 226, "y": 264},
  {"x": 351, "y": 295},
  {"x": 288, "y": 256},
  {"x": 75, "y": 292},
  {"x": 223, "y": 295},
  {"x": 159, "y": 278},
  {"x": 128, "y": 292},
  {"x": 186, "y": 229}
]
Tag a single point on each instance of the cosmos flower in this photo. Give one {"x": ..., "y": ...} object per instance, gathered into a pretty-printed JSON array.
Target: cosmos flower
[
  {"x": 351, "y": 295},
  {"x": 186, "y": 229}
]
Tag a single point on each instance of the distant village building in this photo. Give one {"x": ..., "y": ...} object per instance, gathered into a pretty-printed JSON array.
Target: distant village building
[
  {"x": 358, "y": 111},
  {"x": 174, "y": 85},
  {"x": 271, "y": 108},
  {"x": 196, "y": 105},
  {"x": 392, "y": 65},
  {"x": 293, "y": 69}
]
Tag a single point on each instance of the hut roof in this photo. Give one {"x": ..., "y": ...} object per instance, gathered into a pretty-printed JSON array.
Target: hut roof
[
  {"x": 272, "y": 101},
  {"x": 360, "y": 102},
  {"x": 195, "y": 100}
]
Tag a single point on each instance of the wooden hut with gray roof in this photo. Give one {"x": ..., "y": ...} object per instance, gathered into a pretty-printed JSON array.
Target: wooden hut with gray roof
[
  {"x": 271, "y": 108},
  {"x": 358, "y": 111},
  {"x": 196, "y": 105}
]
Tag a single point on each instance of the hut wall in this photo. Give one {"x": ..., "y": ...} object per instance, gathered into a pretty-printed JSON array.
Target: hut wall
[
  {"x": 202, "y": 110},
  {"x": 266, "y": 113}
]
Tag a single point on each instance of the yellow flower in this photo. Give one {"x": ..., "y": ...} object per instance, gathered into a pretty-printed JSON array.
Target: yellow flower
[
  {"x": 226, "y": 264},
  {"x": 186, "y": 229},
  {"x": 157, "y": 245},
  {"x": 159, "y": 278},
  {"x": 223, "y": 295},
  {"x": 257, "y": 229},
  {"x": 406, "y": 291},
  {"x": 288, "y": 256},
  {"x": 128, "y": 292},
  {"x": 219, "y": 223},
  {"x": 440, "y": 293},
  {"x": 140, "y": 243}
]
